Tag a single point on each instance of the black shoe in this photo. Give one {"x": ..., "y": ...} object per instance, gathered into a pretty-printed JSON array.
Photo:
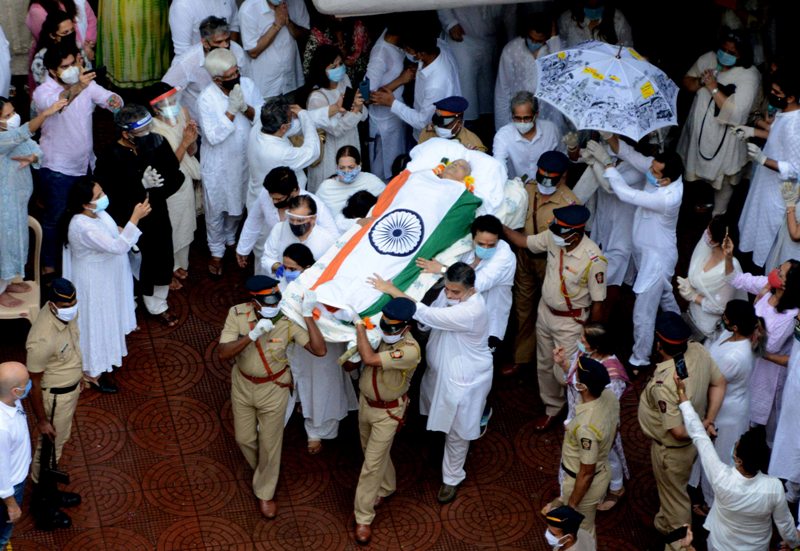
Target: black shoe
[
  {"x": 105, "y": 385},
  {"x": 69, "y": 499},
  {"x": 52, "y": 520}
]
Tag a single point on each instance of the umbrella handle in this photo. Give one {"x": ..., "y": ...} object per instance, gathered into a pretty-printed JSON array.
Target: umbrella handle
[{"x": 619, "y": 52}]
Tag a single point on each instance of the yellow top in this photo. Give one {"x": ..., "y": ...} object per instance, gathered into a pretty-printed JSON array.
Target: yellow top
[{"x": 54, "y": 350}]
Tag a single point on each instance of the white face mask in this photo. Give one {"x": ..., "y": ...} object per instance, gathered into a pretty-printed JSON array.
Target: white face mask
[
  {"x": 523, "y": 127},
  {"x": 443, "y": 132},
  {"x": 559, "y": 241},
  {"x": 67, "y": 314},
  {"x": 71, "y": 75},
  {"x": 546, "y": 190},
  {"x": 294, "y": 128},
  {"x": 552, "y": 540},
  {"x": 269, "y": 312},
  {"x": 13, "y": 122},
  {"x": 452, "y": 301},
  {"x": 391, "y": 339}
]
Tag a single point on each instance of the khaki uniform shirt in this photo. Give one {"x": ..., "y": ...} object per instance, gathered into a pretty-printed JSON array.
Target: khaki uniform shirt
[
  {"x": 241, "y": 319},
  {"x": 658, "y": 404},
  {"x": 54, "y": 350},
  {"x": 590, "y": 434},
  {"x": 573, "y": 279},
  {"x": 392, "y": 379},
  {"x": 541, "y": 207},
  {"x": 465, "y": 137}
]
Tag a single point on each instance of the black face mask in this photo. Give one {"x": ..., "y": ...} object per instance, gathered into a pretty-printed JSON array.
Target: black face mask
[
  {"x": 282, "y": 204},
  {"x": 148, "y": 143},
  {"x": 778, "y": 103},
  {"x": 229, "y": 84},
  {"x": 300, "y": 230}
]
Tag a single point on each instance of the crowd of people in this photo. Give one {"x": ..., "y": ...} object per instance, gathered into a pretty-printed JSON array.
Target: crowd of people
[{"x": 279, "y": 128}]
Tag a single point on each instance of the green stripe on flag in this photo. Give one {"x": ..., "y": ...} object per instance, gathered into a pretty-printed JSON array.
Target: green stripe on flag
[{"x": 454, "y": 226}]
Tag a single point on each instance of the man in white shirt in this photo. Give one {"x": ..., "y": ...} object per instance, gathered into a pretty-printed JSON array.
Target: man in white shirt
[
  {"x": 520, "y": 143},
  {"x": 386, "y": 70},
  {"x": 436, "y": 78},
  {"x": 185, "y": 17},
  {"x": 270, "y": 30},
  {"x": 279, "y": 188},
  {"x": 655, "y": 249},
  {"x": 15, "y": 445},
  {"x": 187, "y": 71}
]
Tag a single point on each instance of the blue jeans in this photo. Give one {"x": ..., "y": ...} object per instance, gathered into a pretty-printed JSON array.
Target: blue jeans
[
  {"x": 55, "y": 189},
  {"x": 5, "y": 526}
]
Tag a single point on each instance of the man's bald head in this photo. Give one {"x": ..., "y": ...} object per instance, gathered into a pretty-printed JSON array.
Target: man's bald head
[
  {"x": 12, "y": 375},
  {"x": 458, "y": 170}
]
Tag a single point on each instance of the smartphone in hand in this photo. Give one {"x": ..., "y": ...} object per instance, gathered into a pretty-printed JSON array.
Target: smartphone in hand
[
  {"x": 349, "y": 98},
  {"x": 364, "y": 89}
]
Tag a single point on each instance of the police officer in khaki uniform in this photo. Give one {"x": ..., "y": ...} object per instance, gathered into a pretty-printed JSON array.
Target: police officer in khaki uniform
[
  {"x": 257, "y": 335},
  {"x": 572, "y": 294},
  {"x": 382, "y": 405},
  {"x": 56, "y": 370},
  {"x": 546, "y": 192},
  {"x": 564, "y": 531},
  {"x": 671, "y": 452},
  {"x": 448, "y": 123},
  {"x": 588, "y": 439}
]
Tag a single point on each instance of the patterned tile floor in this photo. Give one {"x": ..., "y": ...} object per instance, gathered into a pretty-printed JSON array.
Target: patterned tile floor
[{"x": 158, "y": 467}]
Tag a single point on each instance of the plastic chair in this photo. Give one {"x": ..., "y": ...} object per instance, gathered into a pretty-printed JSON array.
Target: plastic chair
[{"x": 31, "y": 300}]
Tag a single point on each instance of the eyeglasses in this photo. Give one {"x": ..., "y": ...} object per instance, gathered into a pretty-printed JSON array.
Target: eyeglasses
[{"x": 522, "y": 119}]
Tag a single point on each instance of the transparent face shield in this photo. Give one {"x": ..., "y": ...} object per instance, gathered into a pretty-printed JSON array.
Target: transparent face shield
[{"x": 168, "y": 106}]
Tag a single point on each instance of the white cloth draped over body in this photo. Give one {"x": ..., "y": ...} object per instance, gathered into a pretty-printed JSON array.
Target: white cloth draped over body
[
  {"x": 764, "y": 210},
  {"x": 96, "y": 262},
  {"x": 340, "y": 130},
  {"x": 181, "y": 204},
  {"x": 459, "y": 374}
]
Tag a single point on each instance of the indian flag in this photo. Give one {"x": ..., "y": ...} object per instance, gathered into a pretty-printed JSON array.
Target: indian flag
[{"x": 417, "y": 215}]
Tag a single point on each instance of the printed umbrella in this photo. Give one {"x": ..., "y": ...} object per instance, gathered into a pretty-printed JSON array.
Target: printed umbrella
[{"x": 599, "y": 86}]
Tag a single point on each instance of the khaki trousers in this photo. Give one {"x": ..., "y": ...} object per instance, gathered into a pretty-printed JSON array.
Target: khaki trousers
[
  {"x": 671, "y": 468},
  {"x": 588, "y": 505},
  {"x": 552, "y": 331},
  {"x": 378, "y": 477},
  {"x": 526, "y": 292},
  {"x": 62, "y": 423},
  {"x": 258, "y": 413}
]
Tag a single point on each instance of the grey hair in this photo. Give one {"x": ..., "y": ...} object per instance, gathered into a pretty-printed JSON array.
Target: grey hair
[
  {"x": 130, "y": 113},
  {"x": 218, "y": 61},
  {"x": 462, "y": 273},
  {"x": 212, "y": 25},
  {"x": 521, "y": 98},
  {"x": 274, "y": 114}
]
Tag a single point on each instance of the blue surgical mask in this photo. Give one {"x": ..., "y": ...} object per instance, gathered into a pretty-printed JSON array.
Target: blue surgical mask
[
  {"x": 593, "y": 14},
  {"x": 337, "y": 73},
  {"x": 411, "y": 58},
  {"x": 533, "y": 46},
  {"x": 276, "y": 3},
  {"x": 651, "y": 178},
  {"x": 291, "y": 275},
  {"x": 26, "y": 391},
  {"x": 582, "y": 348},
  {"x": 348, "y": 176},
  {"x": 101, "y": 204},
  {"x": 485, "y": 253},
  {"x": 725, "y": 59}
]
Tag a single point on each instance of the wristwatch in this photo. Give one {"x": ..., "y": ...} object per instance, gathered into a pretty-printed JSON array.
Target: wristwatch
[
  {"x": 714, "y": 91},
  {"x": 443, "y": 270}
]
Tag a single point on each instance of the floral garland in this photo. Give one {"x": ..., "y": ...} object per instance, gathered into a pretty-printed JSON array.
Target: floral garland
[{"x": 469, "y": 181}]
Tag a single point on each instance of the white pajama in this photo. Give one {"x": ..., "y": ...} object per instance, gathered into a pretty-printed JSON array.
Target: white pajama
[
  {"x": 455, "y": 455},
  {"x": 157, "y": 302},
  {"x": 180, "y": 258},
  {"x": 220, "y": 230},
  {"x": 645, "y": 310}
]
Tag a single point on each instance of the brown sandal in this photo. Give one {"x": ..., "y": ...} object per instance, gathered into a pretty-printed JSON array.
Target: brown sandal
[
  {"x": 611, "y": 499},
  {"x": 215, "y": 266},
  {"x": 180, "y": 273},
  {"x": 175, "y": 284},
  {"x": 314, "y": 447},
  {"x": 166, "y": 319}
]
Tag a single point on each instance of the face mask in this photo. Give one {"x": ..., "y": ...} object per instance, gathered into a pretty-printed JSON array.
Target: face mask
[
  {"x": 593, "y": 14},
  {"x": 559, "y": 241},
  {"x": 229, "y": 84},
  {"x": 552, "y": 540},
  {"x": 771, "y": 110},
  {"x": 443, "y": 132},
  {"x": 26, "y": 391},
  {"x": 291, "y": 275},
  {"x": 70, "y": 75},
  {"x": 282, "y": 204},
  {"x": 523, "y": 127},
  {"x": 391, "y": 339},
  {"x": 485, "y": 253},
  {"x": 101, "y": 204},
  {"x": 777, "y": 103},
  {"x": 299, "y": 230},
  {"x": 348, "y": 176},
  {"x": 733, "y": 458},
  {"x": 13, "y": 122},
  {"x": 170, "y": 111},
  {"x": 533, "y": 47},
  {"x": 774, "y": 279},
  {"x": 545, "y": 189},
  {"x": 269, "y": 311},
  {"x": 452, "y": 301},
  {"x": 148, "y": 142},
  {"x": 67, "y": 314},
  {"x": 651, "y": 179},
  {"x": 276, "y": 3},
  {"x": 582, "y": 348},
  {"x": 725, "y": 59},
  {"x": 294, "y": 128},
  {"x": 337, "y": 73},
  {"x": 411, "y": 58},
  {"x": 707, "y": 239}
]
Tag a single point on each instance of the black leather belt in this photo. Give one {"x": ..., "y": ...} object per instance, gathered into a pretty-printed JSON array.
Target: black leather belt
[
  {"x": 672, "y": 447},
  {"x": 572, "y": 474},
  {"x": 63, "y": 390}
]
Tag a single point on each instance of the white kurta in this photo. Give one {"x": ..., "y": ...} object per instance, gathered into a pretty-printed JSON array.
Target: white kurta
[
  {"x": 517, "y": 72},
  {"x": 764, "y": 210},
  {"x": 340, "y": 130},
  {"x": 223, "y": 162},
  {"x": 185, "y": 17},
  {"x": 744, "y": 508},
  {"x": 5, "y": 64},
  {"x": 735, "y": 360},
  {"x": 385, "y": 128},
  {"x": 335, "y": 193},
  {"x": 437, "y": 81},
  {"x": 278, "y": 69},
  {"x": 493, "y": 280},
  {"x": 459, "y": 373},
  {"x": 520, "y": 155},
  {"x": 188, "y": 73},
  {"x": 785, "y": 459},
  {"x": 280, "y": 237},
  {"x": 708, "y": 148},
  {"x": 785, "y": 248},
  {"x": 572, "y": 34},
  {"x": 715, "y": 287},
  {"x": 96, "y": 261}
]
